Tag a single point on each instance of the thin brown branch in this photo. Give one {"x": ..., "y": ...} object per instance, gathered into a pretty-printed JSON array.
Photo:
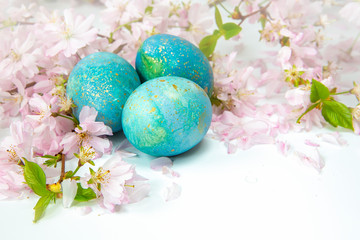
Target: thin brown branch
[
  {"x": 253, "y": 13},
  {"x": 62, "y": 175}
]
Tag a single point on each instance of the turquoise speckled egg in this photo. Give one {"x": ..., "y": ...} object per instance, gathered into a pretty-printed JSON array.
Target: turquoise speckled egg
[
  {"x": 104, "y": 81},
  {"x": 166, "y": 116},
  {"x": 166, "y": 55}
]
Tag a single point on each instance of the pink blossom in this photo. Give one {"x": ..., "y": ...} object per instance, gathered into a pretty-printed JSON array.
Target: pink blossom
[
  {"x": 21, "y": 13},
  {"x": 298, "y": 97},
  {"x": 110, "y": 182},
  {"x": 40, "y": 108},
  {"x": 12, "y": 150},
  {"x": 351, "y": 12},
  {"x": 199, "y": 21},
  {"x": 88, "y": 133},
  {"x": 22, "y": 56},
  {"x": 71, "y": 34}
]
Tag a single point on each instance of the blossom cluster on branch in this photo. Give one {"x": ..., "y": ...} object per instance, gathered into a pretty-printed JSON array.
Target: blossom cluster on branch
[{"x": 294, "y": 87}]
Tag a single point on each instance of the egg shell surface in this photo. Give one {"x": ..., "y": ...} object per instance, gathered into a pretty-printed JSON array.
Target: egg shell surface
[
  {"x": 166, "y": 116},
  {"x": 104, "y": 81},
  {"x": 167, "y": 55}
]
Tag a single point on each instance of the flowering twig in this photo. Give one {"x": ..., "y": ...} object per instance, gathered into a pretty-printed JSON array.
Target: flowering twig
[{"x": 62, "y": 175}]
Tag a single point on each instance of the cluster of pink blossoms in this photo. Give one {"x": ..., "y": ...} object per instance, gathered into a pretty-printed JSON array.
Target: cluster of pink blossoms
[
  {"x": 258, "y": 100},
  {"x": 253, "y": 102}
]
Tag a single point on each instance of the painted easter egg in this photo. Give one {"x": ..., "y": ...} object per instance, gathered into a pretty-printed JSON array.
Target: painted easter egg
[
  {"x": 166, "y": 55},
  {"x": 104, "y": 81},
  {"x": 166, "y": 116}
]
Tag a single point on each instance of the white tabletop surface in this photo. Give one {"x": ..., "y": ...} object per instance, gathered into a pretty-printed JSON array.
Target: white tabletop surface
[{"x": 252, "y": 194}]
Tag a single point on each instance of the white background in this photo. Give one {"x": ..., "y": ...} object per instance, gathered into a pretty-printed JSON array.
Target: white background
[{"x": 253, "y": 194}]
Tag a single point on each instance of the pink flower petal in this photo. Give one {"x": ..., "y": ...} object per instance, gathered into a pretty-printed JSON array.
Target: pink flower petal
[
  {"x": 333, "y": 138},
  {"x": 172, "y": 192},
  {"x": 158, "y": 163},
  {"x": 315, "y": 160},
  {"x": 84, "y": 210},
  {"x": 169, "y": 172},
  {"x": 312, "y": 144},
  {"x": 87, "y": 114},
  {"x": 283, "y": 147},
  {"x": 69, "y": 188},
  {"x": 137, "y": 193}
]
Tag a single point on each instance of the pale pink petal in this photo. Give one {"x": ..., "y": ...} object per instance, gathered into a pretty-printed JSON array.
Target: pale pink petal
[
  {"x": 69, "y": 189},
  {"x": 158, "y": 163},
  {"x": 87, "y": 114},
  {"x": 311, "y": 143},
  {"x": 333, "y": 138},
  {"x": 95, "y": 128},
  {"x": 169, "y": 172},
  {"x": 126, "y": 154},
  {"x": 140, "y": 190},
  {"x": 84, "y": 210},
  {"x": 99, "y": 144},
  {"x": 313, "y": 159},
  {"x": 172, "y": 192},
  {"x": 283, "y": 147},
  {"x": 70, "y": 143}
]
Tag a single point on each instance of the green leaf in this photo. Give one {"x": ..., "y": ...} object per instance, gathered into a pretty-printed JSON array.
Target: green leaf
[
  {"x": 149, "y": 10},
  {"x": 207, "y": 44},
  {"x": 35, "y": 178},
  {"x": 262, "y": 20},
  {"x": 318, "y": 91},
  {"x": 41, "y": 205},
  {"x": 231, "y": 30},
  {"x": 50, "y": 156},
  {"x": 68, "y": 174},
  {"x": 51, "y": 162},
  {"x": 83, "y": 195},
  {"x": 218, "y": 18},
  {"x": 337, "y": 114}
]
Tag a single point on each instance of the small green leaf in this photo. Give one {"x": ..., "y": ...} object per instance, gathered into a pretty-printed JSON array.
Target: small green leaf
[
  {"x": 285, "y": 41},
  {"x": 262, "y": 20},
  {"x": 231, "y": 30},
  {"x": 337, "y": 114},
  {"x": 318, "y": 91},
  {"x": 51, "y": 162},
  {"x": 149, "y": 10},
  {"x": 41, "y": 205},
  {"x": 83, "y": 195},
  {"x": 92, "y": 172},
  {"x": 50, "y": 156},
  {"x": 35, "y": 178},
  {"x": 215, "y": 101},
  {"x": 68, "y": 174},
  {"x": 218, "y": 18},
  {"x": 207, "y": 44}
]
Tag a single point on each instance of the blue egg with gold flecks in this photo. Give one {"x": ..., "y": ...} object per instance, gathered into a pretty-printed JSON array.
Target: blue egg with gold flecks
[
  {"x": 166, "y": 55},
  {"x": 166, "y": 116},
  {"x": 104, "y": 81}
]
